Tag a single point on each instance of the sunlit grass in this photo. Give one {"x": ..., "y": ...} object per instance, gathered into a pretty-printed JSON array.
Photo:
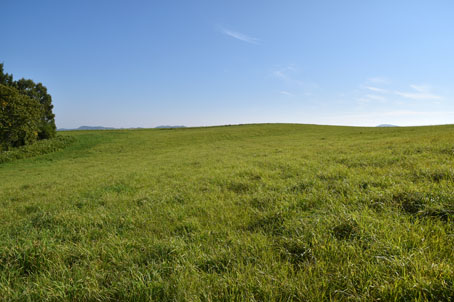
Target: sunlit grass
[{"x": 242, "y": 213}]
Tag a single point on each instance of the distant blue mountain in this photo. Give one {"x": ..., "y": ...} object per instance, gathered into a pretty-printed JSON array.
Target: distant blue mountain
[
  {"x": 387, "y": 125},
  {"x": 87, "y": 128},
  {"x": 165, "y": 126},
  {"x": 94, "y": 128}
]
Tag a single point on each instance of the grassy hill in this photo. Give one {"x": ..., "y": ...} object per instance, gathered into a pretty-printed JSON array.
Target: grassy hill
[{"x": 274, "y": 212}]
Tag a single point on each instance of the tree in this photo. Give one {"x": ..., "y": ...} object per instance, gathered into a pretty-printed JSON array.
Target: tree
[
  {"x": 19, "y": 118},
  {"x": 5, "y": 79},
  {"x": 37, "y": 92}
]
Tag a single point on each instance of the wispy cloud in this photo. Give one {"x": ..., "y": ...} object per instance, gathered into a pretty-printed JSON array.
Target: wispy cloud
[
  {"x": 284, "y": 92},
  {"x": 420, "y": 88},
  {"x": 287, "y": 74},
  {"x": 418, "y": 95},
  {"x": 372, "y": 98},
  {"x": 376, "y": 89},
  {"x": 283, "y": 72},
  {"x": 420, "y": 92},
  {"x": 375, "y": 92},
  {"x": 240, "y": 36},
  {"x": 422, "y": 113},
  {"x": 395, "y": 113},
  {"x": 375, "y": 97}
]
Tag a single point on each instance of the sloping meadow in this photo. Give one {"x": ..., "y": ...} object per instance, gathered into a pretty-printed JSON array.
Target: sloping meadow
[{"x": 272, "y": 212}]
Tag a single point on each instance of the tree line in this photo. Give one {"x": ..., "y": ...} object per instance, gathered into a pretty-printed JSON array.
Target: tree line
[{"x": 25, "y": 112}]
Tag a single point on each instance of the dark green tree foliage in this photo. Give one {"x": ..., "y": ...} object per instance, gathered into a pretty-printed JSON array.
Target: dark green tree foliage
[
  {"x": 19, "y": 121},
  {"x": 19, "y": 118},
  {"x": 5, "y": 79},
  {"x": 38, "y": 92}
]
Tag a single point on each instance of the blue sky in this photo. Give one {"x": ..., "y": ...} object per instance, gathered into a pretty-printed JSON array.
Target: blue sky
[{"x": 196, "y": 63}]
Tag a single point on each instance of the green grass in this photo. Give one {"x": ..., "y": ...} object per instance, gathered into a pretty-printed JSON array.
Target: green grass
[{"x": 238, "y": 213}]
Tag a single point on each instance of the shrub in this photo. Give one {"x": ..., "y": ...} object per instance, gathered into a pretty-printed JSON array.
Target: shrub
[{"x": 38, "y": 148}]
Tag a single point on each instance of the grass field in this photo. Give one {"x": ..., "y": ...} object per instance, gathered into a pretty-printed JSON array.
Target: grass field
[{"x": 271, "y": 212}]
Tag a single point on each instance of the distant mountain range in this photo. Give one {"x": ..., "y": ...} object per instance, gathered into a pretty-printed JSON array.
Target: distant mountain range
[
  {"x": 387, "y": 125},
  {"x": 165, "y": 126},
  {"x": 112, "y": 128},
  {"x": 87, "y": 128}
]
